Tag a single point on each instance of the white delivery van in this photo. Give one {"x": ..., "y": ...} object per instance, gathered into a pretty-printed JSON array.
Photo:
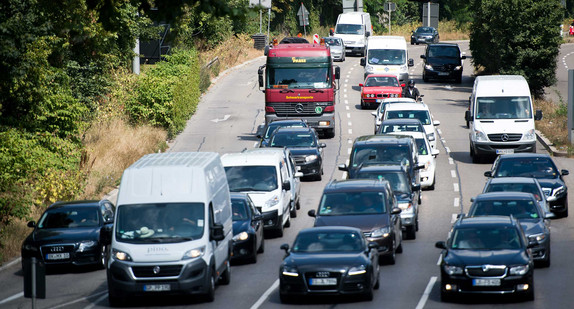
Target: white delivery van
[
  {"x": 354, "y": 28},
  {"x": 387, "y": 55},
  {"x": 173, "y": 227},
  {"x": 264, "y": 177},
  {"x": 501, "y": 117}
]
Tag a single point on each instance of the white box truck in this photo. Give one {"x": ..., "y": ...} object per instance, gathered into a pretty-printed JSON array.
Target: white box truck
[
  {"x": 387, "y": 54},
  {"x": 501, "y": 117},
  {"x": 173, "y": 227},
  {"x": 354, "y": 28}
]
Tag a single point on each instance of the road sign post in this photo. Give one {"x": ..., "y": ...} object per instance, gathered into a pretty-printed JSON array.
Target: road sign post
[
  {"x": 303, "y": 15},
  {"x": 389, "y": 7},
  {"x": 571, "y": 106},
  {"x": 34, "y": 279}
]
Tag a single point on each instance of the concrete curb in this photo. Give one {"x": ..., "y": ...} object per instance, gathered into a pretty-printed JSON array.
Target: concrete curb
[{"x": 550, "y": 146}]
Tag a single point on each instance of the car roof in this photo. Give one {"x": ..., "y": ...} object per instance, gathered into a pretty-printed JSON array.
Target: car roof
[
  {"x": 238, "y": 195},
  {"x": 504, "y": 195},
  {"x": 524, "y": 155},
  {"x": 407, "y": 106},
  {"x": 333, "y": 229},
  {"x": 383, "y": 168},
  {"x": 382, "y": 138},
  {"x": 443, "y": 44},
  {"x": 410, "y": 133},
  {"x": 498, "y": 180},
  {"x": 402, "y": 121},
  {"x": 356, "y": 185},
  {"x": 485, "y": 222},
  {"x": 425, "y": 28},
  {"x": 83, "y": 203},
  {"x": 293, "y": 130}
]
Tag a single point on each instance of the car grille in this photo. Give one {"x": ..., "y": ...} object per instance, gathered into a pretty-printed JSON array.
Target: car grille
[
  {"x": 383, "y": 95},
  {"x": 443, "y": 68},
  {"x": 57, "y": 249},
  {"x": 498, "y": 271},
  {"x": 160, "y": 271},
  {"x": 515, "y": 137},
  {"x": 294, "y": 109},
  {"x": 323, "y": 274}
]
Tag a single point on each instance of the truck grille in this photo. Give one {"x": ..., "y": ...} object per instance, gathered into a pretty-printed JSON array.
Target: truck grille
[
  {"x": 503, "y": 137},
  {"x": 294, "y": 109}
]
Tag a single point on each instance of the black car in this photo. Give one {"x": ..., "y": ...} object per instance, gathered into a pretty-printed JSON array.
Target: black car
[
  {"x": 369, "y": 205},
  {"x": 524, "y": 207},
  {"x": 486, "y": 255},
  {"x": 519, "y": 184},
  {"x": 407, "y": 194},
  {"x": 71, "y": 233},
  {"x": 424, "y": 35},
  {"x": 304, "y": 146},
  {"x": 443, "y": 61},
  {"x": 541, "y": 167},
  {"x": 267, "y": 130},
  {"x": 247, "y": 228},
  {"x": 333, "y": 260}
]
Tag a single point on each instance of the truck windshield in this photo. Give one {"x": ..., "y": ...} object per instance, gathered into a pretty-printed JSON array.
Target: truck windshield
[
  {"x": 306, "y": 78},
  {"x": 160, "y": 223},
  {"x": 503, "y": 108},
  {"x": 387, "y": 56},
  {"x": 251, "y": 178},
  {"x": 349, "y": 29}
]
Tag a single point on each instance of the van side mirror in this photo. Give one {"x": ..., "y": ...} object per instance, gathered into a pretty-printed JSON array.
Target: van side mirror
[
  {"x": 435, "y": 152},
  {"x": 395, "y": 211},
  {"x": 322, "y": 145},
  {"x": 260, "y": 73},
  {"x": 411, "y": 62},
  {"x": 285, "y": 247},
  {"x": 312, "y": 213},
  {"x": 564, "y": 172},
  {"x": 217, "y": 233},
  {"x": 416, "y": 187},
  {"x": 423, "y": 56},
  {"x": 463, "y": 57},
  {"x": 337, "y": 72},
  {"x": 467, "y": 116},
  {"x": 363, "y": 62},
  {"x": 286, "y": 186},
  {"x": 538, "y": 115}
]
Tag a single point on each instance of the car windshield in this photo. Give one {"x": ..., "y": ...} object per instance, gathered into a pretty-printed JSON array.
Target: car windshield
[
  {"x": 299, "y": 77},
  {"x": 271, "y": 127},
  {"x": 520, "y": 209},
  {"x": 424, "y": 30},
  {"x": 490, "y": 238},
  {"x": 380, "y": 154},
  {"x": 289, "y": 139},
  {"x": 398, "y": 181},
  {"x": 251, "y": 178},
  {"x": 422, "y": 146},
  {"x": 422, "y": 115},
  {"x": 389, "y": 128},
  {"x": 328, "y": 242},
  {"x": 387, "y": 56},
  {"x": 239, "y": 208},
  {"x": 443, "y": 52},
  {"x": 541, "y": 168},
  {"x": 503, "y": 108},
  {"x": 333, "y": 41},
  {"x": 352, "y": 203},
  {"x": 349, "y": 29},
  {"x": 159, "y": 223},
  {"x": 515, "y": 187},
  {"x": 66, "y": 217},
  {"x": 381, "y": 81}
]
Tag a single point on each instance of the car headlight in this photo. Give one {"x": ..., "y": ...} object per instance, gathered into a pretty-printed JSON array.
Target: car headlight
[
  {"x": 431, "y": 136},
  {"x": 120, "y": 255},
  {"x": 428, "y": 66},
  {"x": 241, "y": 236},
  {"x": 393, "y": 95},
  {"x": 537, "y": 237},
  {"x": 406, "y": 207},
  {"x": 558, "y": 191},
  {"x": 86, "y": 245},
  {"x": 519, "y": 270},
  {"x": 272, "y": 201},
  {"x": 404, "y": 68},
  {"x": 369, "y": 68},
  {"x": 359, "y": 270},
  {"x": 452, "y": 270},
  {"x": 480, "y": 136},
  {"x": 193, "y": 253},
  {"x": 458, "y": 68},
  {"x": 29, "y": 247},
  {"x": 530, "y": 135},
  {"x": 289, "y": 271},
  {"x": 311, "y": 158},
  {"x": 382, "y": 232}
]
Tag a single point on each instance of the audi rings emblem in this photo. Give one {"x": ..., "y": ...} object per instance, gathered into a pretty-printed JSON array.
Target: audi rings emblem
[
  {"x": 322, "y": 274},
  {"x": 299, "y": 108},
  {"x": 156, "y": 270},
  {"x": 504, "y": 137}
]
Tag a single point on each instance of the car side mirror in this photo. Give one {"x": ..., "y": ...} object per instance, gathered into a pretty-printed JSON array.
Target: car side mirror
[
  {"x": 286, "y": 186},
  {"x": 311, "y": 213},
  {"x": 343, "y": 167},
  {"x": 436, "y": 123},
  {"x": 411, "y": 62},
  {"x": 488, "y": 174},
  {"x": 298, "y": 174},
  {"x": 373, "y": 245},
  {"x": 322, "y": 145},
  {"x": 416, "y": 187},
  {"x": 462, "y": 57},
  {"x": 423, "y": 56},
  {"x": 285, "y": 247},
  {"x": 257, "y": 217},
  {"x": 435, "y": 152},
  {"x": 361, "y": 85},
  {"x": 217, "y": 233},
  {"x": 403, "y": 85},
  {"x": 467, "y": 116},
  {"x": 538, "y": 115},
  {"x": 32, "y": 224},
  {"x": 395, "y": 211},
  {"x": 363, "y": 62},
  {"x": 472, "y": 199},
  {"x": 440, "y": 245},
  {"x": 564, "y": 172},
  {"x": 374, "y": 114}
]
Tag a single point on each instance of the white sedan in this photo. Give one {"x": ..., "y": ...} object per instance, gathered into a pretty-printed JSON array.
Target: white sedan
[{"x": 427, "y": 156}]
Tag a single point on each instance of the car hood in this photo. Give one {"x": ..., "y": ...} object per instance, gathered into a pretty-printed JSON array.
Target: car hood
[
  {"x": 481, "y": 257},
  {"x": 532, "y": 226},
  {"x": 325, "y": 261},
  {"x": 443, "y": 61},
  {"x": 240, "y": 226},
  {"x": 65, "y": 235},
  {"x": 303, "y": 151},
  {"x": 364, "y": 222},
  {"x": 260, "y": 197},
  {"x": 550, "y": 183},
  {"x": 382, "y": 89}
]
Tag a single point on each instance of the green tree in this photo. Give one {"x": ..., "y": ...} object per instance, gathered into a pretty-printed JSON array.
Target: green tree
[{"x": 517, "y": 37}]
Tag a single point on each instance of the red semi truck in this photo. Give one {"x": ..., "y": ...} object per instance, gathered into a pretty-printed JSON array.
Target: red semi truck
[{"x": 300, "y": 81}]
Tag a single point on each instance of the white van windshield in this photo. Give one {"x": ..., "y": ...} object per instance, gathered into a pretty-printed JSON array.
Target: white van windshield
[
  {"x": 387, "y": 56},
  {"x": 349, "y": 29},
  {"x": 251, "y": 178},
  {"x": 503, "y": 108},
  {"x": 160, "y": 223}
]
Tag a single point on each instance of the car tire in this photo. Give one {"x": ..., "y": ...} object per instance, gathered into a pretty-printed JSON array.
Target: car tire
[
  {"x": 104, "y": 253},
  {"x": 298, "y": 205},
  {"x": 288, "y": 223},
  {"x": 363, "y": 105},
  {"x": 261, "y": 246},
  {"x": 546, "y": 262},
  {"x": 474, "y": 156},
  {"x": 431, "y": 187},
  {"x": 115, "y": 300},
  {"x": 446, "y": 297},
  {"x": 209, "y": 295},
  {"x": 410, "y": 232},
  {"x": 293, "y": 211},
  {"x": 458, "y": 79},
  {"x": 529, "y": 296},
  {"x": 400, "y": 248},
  {"x": 425, "y": 78},
  {"x": 369, "y": 295},
  {"x": 225, "y": 277}
]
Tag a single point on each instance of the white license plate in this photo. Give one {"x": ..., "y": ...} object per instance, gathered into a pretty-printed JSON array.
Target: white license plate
[
  {"x": 486, "y": 282},
  {"x": 157, "y": 287},
  {"x": 504, "y": 151},
  {"x": 57, "y": 256},
  {"x": 323, "y": 281},
  {"x": 443, "y": 73}
]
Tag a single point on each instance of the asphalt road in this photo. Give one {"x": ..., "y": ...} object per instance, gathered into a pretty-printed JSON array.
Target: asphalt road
[{"x": 226, "y": 121}]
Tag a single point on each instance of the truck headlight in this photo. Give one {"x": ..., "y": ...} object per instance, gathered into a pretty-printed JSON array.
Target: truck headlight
[
  {"x": 311, "y": 158},
  {"x": 519, "y": 270},
  {"x": 382, "y": 232},
  {"x": 452, "y": 270},
  {"x": 272, "y": 201},
  {"x": 480, "y": 136},
  {"x": 120, "y": 255},
  {"x": 193, "y": 253},
  {"x": 369, "y": 68},
  {"x": 530, "y": 135},
  {"x": 404, "y": 68}
]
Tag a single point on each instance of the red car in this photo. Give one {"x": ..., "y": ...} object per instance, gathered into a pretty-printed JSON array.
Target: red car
[{"x": 378, "y": 87}]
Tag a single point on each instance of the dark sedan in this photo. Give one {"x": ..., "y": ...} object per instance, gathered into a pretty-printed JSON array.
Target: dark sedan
[
  {"x": 424, "y": 35},
  {"x": 329, "y": 261},
  {"x": 304, "y": 146},
  {"x": 486, "y": 255},
  {"x": 266, "y": 131},
  {"x": 369, "y": 205},
  {"x": 71, "y": 233},
  {"x": 541, "y": 167},
  {"x": 247, "y": 228}
]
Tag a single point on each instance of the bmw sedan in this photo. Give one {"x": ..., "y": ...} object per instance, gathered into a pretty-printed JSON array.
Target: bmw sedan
[{"x": 333, "y": 260}]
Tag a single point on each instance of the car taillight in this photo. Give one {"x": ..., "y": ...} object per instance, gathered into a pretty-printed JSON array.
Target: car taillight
[
  {"x": 330, "y": 108},
  {"x": 269, "y": 109}
]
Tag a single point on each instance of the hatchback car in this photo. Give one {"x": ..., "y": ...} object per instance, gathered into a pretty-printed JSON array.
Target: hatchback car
[
  {"x": 337, "y": 47},
  {"x": 369, "y": 205},
  {"x": 486, "y": 255},
  {"x": 72, "y": 233},
  {"x": 519, "y": 184},
  {"x": 427, "y": 156},
  {"x": 425, "y": 35},
  {"x": 418, "y": 111},
  {"x": 265, "y": 131},
  {"x": 524, "y": 207},
  {"x": 443, "y": 61},
  {"x": 378, "y": 114},
  {"x": 377, "y": 87},
  {"x": 332, "y": 260},
  {"x": 541, "y": 167},
  {"x": 247, "y": 228},
  {"x": 304, "y": 146}
]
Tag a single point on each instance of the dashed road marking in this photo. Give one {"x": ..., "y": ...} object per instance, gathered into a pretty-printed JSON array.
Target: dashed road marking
[
  {"x": 426, "y": 293},
  {"x": 456, "y": 188},
  {"x": 450, "y": 161},
  {"x": 265, "y": 295},
  {"x": 447, "y": 149},
  {"x": 348, "y": 115},
  {"x": 453, "y": 218},
  {"x": 453, "y": 173},
  {"x": 350, "y": 131},
  {"x": 456, "y": 202}
]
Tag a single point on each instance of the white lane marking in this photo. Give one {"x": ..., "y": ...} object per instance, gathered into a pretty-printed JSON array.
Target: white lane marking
[
  {"x": 453, "y": 173},
  {"x": 456, "y": 188},
  {"x": 453, "y": 218},
  {"x": 347, "y": 107},
  {"x": 255, "y": 144},
  {"x": 346, "y": 80},
  {"x": 450, "y": 161},
  {"x": 426, "y": 294},
  {"x": 456, "y": 201},
  {"x": 11, "y": 298},
  {"x": 105, "y": 293},
  {"x": 349, "y": 141},
  {"x": 222, "y": 119},
  {"x": 439, "y": 131},
  {"x": 448, "y": 87},
  {"x": 347, "y": 161},
  {"x": 350, "y": 123},
  {"x": 349, "y": 150},
  {"x": 345, "y": 95},
  {"x": 351, "y": 69},
  {"x": 348, "y": 76},
  {"x": 92, "y": 305},
  {"x": 439, "y": 259},
  {"x": 265, "y": 295},
  {"x": 350, "y": 131},
  {"x": 447, "y": 149},
  {"x": 346, "y": 101},
  {"x": 348, "y": 115},
  {"x": 344, "y": 176},
  {"x": 345, "y": 90}
]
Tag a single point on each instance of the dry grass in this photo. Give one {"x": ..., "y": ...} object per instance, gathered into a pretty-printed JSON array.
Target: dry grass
[
  {"x": 14, "y": 234},
  {"x": 554, "y": 123},
  {"x": 236, "y": 50},
  {"x": 448, "y": 31}
]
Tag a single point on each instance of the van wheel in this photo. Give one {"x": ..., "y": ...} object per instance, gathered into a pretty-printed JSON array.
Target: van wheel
[
  {"x": 293, "y": 212},
  {"x": 288, "y": 223},
  {"x": 210, "y": 293},
  {"x": 225, "y": 278},
  {"x": 298, "y": 205},
  {"x": 116, "y": 299},
  {"x": 411, "y": 233}
]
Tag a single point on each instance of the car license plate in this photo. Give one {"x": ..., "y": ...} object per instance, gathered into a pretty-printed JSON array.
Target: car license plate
[
  {"x": 57, "y": 256},
  {"x": 504, "y": 151},
  {"x": 443, "y": 73},
  {"x": 323, "y": 281},
  {"x": 157, "y": 287},
  {"x": 486, "y": 282}
]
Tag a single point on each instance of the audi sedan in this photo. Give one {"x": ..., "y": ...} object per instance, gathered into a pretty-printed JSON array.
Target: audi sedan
[{"x": 332, "y": 260}]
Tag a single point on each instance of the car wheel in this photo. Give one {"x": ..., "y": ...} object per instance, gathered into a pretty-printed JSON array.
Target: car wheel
[
  {"x": 293, "y": 212},
  {"x": 458, "y": 79},
  {"x": 425, "y": 78},
  {"x": 411, "y": 232},
  {"x": 400, "y": 248},
  {"x": 363, "y": 105},
  {"x": 546, "y": 261},
  {"x": 288, "y": 223},
  {"x": 104, "y": 256},
  {"x": 475, "y": 158},
  {"x": 467, "y": 125},
  {"x": 209, "y": 295},
  {"x": 529, "y": 296},
  {"x": 378, "y": 282},
  {"x": 431, "y": 187},
  {"x": 369, "y": 294},
  {"x": 115, "y": 300},
  {"x": 253, "y": 257},
  {"x": 298, "y": 206},
  {"x": 261, "y": 246},
  {"x": 225, "y": 277}
]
